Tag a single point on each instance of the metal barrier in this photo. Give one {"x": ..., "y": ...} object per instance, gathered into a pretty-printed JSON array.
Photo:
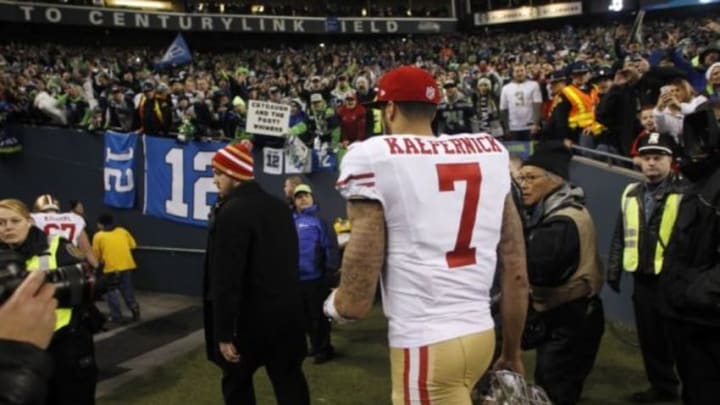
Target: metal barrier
[
  {"x": 612, "y": 156},
  {"x": 170, "y": 249}
]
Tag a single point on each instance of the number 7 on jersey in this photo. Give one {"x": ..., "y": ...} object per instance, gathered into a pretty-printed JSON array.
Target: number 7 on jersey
[{"x": 470, "y": 173}]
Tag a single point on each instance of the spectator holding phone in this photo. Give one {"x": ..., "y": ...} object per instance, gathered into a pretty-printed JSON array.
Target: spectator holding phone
[{"x": 676, "y": 100}]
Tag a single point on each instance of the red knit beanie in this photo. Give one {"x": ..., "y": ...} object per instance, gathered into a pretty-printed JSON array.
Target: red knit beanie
[{"x": 234, "y": 160}]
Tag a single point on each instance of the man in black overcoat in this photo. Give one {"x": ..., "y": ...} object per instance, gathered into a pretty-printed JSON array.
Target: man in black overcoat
[{"x": 252, "y": 307}]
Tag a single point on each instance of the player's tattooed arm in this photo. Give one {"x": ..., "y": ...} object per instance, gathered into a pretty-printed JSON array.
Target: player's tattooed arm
[
  {"x": 515, "y": 286},
  {"x": 363, "y": 259}
]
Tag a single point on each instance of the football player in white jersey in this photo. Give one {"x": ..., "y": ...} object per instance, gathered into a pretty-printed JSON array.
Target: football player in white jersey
[
  {"x": 71, "y": 226},
  {"x": 436, "y": 214}
]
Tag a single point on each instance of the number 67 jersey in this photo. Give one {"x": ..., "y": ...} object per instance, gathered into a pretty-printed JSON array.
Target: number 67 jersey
[
  {"x": 68, "y": 224},
  {"x": 443, "y": 201}
]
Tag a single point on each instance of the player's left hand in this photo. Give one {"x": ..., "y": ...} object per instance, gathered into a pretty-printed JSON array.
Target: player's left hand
[
  {"x": 513, "y": 363},
  {"x": 229, "y": 352}
]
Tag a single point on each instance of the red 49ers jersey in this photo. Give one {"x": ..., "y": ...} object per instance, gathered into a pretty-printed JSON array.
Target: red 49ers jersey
[
  {"x": 443, "y": 200},
  {"x": 67, "y": 224}
]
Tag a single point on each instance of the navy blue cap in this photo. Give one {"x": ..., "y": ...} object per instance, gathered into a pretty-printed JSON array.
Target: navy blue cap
[
  {"x": 579, "y": 67},
  {"x": 558, "y": 76}
]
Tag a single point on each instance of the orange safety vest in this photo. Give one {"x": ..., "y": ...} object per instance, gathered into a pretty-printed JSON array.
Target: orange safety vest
[
  {"x": 582, "y": 113},
  {"x": 156, "y": 109}
]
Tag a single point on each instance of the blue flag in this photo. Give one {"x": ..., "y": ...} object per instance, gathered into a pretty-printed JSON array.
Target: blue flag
[
  {"x": 177, "y": 54},
  {"x": 178, "y": 180},
  {"x": 119, "y": 169}
]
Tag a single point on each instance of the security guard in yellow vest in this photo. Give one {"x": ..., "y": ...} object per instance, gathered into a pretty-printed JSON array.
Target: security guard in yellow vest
[
  {"x": 583, "y": 99},
  {"x": 72, "y": 348},
  {"x": 647, "y": 217}
]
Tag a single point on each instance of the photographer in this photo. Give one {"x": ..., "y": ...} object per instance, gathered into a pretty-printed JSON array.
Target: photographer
[
  {"x": 27, "y": 321},
  {"x": 71, "y": 347}
]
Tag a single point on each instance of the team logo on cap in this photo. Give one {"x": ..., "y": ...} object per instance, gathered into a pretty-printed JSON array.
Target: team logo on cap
[
  {"x": 430, "y": 93},
  {"x": 654, "y": 138}
]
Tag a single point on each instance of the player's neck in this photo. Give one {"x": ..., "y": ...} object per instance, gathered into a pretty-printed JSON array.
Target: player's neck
[{"x": 412, "y": 128}]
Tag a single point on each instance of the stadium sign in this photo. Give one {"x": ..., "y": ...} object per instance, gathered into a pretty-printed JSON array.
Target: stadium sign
[
  {"x": 136, "y": 19},
  {"x": 528, "y": 13}
]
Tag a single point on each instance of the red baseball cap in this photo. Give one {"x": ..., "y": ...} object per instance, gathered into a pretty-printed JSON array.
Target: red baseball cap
[{"x": 408, "y": 83}]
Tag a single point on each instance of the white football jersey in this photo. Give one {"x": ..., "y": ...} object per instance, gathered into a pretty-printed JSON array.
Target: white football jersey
[
  {"x": 518, "y": 99},
  {"x": 66, "y": 224},
  {"x": 443, "y": 200}
]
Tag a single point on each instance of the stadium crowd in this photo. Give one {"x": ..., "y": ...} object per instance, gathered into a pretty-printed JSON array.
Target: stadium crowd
[
  {"x": 629, "y": 85},
  {"x": 607, "y": 88}
]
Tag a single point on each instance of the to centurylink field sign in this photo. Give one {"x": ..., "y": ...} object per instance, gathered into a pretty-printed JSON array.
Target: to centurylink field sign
[{"x": 119, "y": 18}]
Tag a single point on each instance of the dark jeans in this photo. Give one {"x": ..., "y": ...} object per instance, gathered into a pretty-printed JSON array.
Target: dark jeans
[
  {"x": 75, "y": 373},
  {"x": 568, "y": 356},
  {"x": 124, "y": 286},
  {"x": 283, "y": 364},
  {"x": 317, "y": 324},
  {"x": 697, "y": 350},
  {"x": 653, "y": 336},
  {"x": 520, "y": 135}
]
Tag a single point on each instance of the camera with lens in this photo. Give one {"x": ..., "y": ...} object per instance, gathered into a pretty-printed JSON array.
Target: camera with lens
[{"x": 74, "y": 285}]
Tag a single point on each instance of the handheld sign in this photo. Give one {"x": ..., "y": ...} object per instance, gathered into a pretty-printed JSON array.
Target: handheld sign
[{"x": 266, "y": 118}]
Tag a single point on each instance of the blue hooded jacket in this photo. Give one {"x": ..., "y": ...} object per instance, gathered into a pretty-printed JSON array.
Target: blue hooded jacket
[{"x": 318, "y": 251}]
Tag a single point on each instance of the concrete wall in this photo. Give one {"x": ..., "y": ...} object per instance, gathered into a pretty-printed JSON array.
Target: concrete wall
[{"x": 68, "y": 164}]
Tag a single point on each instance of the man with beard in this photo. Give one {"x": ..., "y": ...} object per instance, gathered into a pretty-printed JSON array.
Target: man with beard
[{"x": 252, "y": 307}]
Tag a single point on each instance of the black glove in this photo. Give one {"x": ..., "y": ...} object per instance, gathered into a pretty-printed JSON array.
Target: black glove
[{"x": 614, "y": 284}]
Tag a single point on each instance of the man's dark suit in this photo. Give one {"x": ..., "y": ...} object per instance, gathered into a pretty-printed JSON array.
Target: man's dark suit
[{"x": 252, "y": 296}]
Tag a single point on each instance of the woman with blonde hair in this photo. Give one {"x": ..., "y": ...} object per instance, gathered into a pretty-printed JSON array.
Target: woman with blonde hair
[
  {"x": 676, "y": 100},
  {"x": 71, "y": 347}
]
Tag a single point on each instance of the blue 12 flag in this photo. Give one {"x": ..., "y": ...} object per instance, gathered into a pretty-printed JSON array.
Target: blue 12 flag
[
  {"x": 119, "y": 169},
  {"x": 178, "y": 179}
]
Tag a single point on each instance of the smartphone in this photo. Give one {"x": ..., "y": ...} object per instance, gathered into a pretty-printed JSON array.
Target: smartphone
[{"x": 665, "y": 89}]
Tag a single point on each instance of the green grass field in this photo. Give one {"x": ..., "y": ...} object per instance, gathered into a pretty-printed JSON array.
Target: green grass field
[{"x": 360, "y": 375}]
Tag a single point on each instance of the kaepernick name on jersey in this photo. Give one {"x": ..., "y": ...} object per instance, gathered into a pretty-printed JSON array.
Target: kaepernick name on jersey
[{"x": 459, "y": 146}]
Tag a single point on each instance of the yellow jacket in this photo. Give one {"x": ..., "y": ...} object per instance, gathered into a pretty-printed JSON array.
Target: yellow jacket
[{"x": 114, "y": 248}]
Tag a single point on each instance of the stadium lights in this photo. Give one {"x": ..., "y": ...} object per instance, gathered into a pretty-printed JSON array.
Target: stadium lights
[
  {"x": 363, "y": 12},
  {"x": 257, "y": 9},
  {"x": 616, "y": 5},
  {"x": 150, "y": 4},
  {"x": 222, "y": 7}
]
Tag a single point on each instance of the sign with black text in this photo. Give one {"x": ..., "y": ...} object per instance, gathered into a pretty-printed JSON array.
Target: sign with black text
[
  {"x": 529, "y": 13},
  {"x": 266, "y": 118}
]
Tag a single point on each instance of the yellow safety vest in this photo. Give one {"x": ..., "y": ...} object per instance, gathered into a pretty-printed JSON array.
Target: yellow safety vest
[
  {"x": 631, "y": 224},
  {"x": 582, "y": 113},
  {"x": 45, "y": 262},
  {"x": 377, "y": 121}
]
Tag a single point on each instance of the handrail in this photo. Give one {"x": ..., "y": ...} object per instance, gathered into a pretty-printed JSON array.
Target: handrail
[
  {"x": 170, "y": 249},
  {"x": 603, "y": 154}
]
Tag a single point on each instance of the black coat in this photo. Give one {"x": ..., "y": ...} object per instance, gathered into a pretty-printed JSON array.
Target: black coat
[
  {"x": 557, "y": 127},
  {"x": 251, "y": 284},
  {"x": 690, "y": 279},
  {"x": 24, "y": 373}
]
